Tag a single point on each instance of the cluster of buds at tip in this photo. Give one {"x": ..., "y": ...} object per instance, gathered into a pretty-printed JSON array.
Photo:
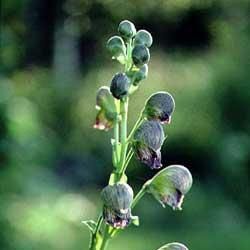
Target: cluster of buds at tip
[
  {"x": 105, "y": 105},
  {"x": 170, "y": 185},
  {"x": 147, "y": 142},
  {"x": 117, "y": 200},
  {"x": 173, "y": 246},
  {"x": 132, "y": 47},
  {"x": 159, "y": 106}
]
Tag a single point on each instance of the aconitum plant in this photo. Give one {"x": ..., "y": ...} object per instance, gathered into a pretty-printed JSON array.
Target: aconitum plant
[{"x": 169, "y": 185}]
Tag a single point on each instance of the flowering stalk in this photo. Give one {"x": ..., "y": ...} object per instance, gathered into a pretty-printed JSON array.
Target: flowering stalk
[{"x": 145, "y": 140}]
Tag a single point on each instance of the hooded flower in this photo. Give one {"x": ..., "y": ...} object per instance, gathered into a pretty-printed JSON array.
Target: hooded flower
[
  {"x": 147, "y": 142},
  {"x": 170, "y": 185},
  {"x": 105, "y": 105},
  {"x": 160, "y": 106},
  {"x": 117, "y": 200},
  {"x": 174, "y": 246}
]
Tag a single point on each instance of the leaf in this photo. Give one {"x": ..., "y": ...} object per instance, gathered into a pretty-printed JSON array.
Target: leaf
[
  {"x": 90, "y": 224},
  {"x": 135, "y": 220}
]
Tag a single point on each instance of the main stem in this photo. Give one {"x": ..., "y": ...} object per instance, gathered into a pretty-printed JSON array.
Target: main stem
[
  {"x": 120, "y": 159},
  {"x": 124, "y": 115}
]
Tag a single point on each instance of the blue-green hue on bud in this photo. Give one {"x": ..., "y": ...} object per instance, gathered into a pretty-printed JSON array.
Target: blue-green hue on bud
[
  {"x": 105, "y": 104},
  {"x": 117, "y": 200},
  {"x": 137, "y": 75},
  {"x": 173, "y": 246},
  {"x": 117, "y": 48},
  {"x": 120, "y": 85},
  {"x": 159, "y": 106},
  {"x": 140, "y": 55},
  {"x": 126, "y": 29},
  {"x": 147, "y": 142},
  {"x": 143, "y": 37},
  {"x": 170, "y": 185}
]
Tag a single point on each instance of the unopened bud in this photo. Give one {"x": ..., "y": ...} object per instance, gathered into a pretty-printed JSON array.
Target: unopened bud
[
  {"x": 117, "y": 48},
  {"x": 120, "y": 85},
  {"x": 137, "y": 75},
  {"x": 127, "y": 29},
  {"x": 143, "y": 37},
  {"x": 140, "y": 55}
]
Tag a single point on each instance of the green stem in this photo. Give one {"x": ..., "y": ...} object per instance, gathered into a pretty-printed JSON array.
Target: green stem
[
  {"x": 115, "y": 148},
  {"x": 138, "y": 196},
  {"x": 124, "y": 115},
  {"x": 137, "y": 124},
  {"x": 94, "y": 238},
  {"x": 106, "y": 238},
  {"x": 128, "y": 158}
]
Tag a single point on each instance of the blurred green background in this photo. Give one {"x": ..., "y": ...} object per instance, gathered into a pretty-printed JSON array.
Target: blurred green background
[{"x": 53, "y": 164}]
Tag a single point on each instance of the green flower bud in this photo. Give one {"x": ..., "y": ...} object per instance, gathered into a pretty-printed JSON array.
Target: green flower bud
[
  {"x": 170, "y": 185},
  {"x": 147, "y": 142},
  {"x": 117, "y": 200},
  {"x": 140, "y": 55},
  {"x": 117, "y": 48},
  {"x": 120, "y": 85},
  {"x": 105, "y": 100},
  {"x": 159, "y": 106},
  {"x": 138, "y": 75},
  {"x": 143, "y": 37},
  {"x": 107, "y": 114},
  {"x": 174, "y": 246},
  {"x": 126, "y": 29}
]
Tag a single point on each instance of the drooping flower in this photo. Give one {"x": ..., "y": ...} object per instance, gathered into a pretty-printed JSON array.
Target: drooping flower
[
  {"x": 147, "y": 142},
  {"x": 160, "y": 106},
  {"x": 170, "y": 185},
  {"x": 117, "y": 200},
  {"x": 105, "y": 105},
  {"x": 173, "y": 246}
]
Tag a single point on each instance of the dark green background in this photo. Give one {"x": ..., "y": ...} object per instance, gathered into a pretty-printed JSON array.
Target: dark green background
[{"x": 53, "y": 164}]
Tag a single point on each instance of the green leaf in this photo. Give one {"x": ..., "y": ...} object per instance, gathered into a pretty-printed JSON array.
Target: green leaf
[
  {"x": 90, "y": 224},
  {"x": 135, "y": 220}
]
